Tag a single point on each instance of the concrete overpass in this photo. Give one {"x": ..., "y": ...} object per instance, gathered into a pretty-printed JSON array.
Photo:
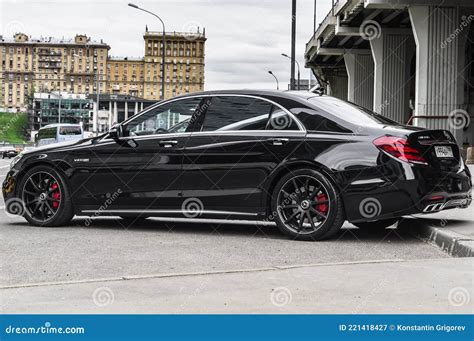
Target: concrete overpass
[{"x": 409, "y": 60}]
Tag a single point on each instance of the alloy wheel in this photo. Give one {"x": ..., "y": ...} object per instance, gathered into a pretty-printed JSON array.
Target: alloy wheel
[
  {"x": 41, "y": 196},
  {"x": 303, "y": 204}
]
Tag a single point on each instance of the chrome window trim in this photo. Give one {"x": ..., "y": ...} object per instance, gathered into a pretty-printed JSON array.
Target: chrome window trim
[{"x": 300, "y": 125}]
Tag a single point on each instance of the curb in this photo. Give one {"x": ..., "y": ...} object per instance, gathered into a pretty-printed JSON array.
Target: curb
[{"x": 455, "y": 244}]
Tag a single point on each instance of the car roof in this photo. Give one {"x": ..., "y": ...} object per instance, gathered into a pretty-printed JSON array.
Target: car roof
[
  {"x": 53, "y": 125},
  {"x": 257, "y": 92}
]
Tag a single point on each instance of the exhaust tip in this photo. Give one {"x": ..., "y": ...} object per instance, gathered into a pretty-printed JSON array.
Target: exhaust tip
[{"x": 470, "y": 156}]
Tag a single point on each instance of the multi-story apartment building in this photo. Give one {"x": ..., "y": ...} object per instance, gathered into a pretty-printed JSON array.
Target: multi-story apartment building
[
  {"x": 33, "y": 65},
  {"x": 125, "y": 76},
  {"x": 80, "y": 65},
  {"x": 184, "y": 67}
]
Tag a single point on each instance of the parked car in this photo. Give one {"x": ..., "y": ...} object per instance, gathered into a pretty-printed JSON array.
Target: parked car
[
  {"x": 9, "y": 152},
  {"x": 305, "y": 161}
]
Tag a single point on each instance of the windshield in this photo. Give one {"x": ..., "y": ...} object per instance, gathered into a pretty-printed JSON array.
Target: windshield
[{"x": 350, "y": 112}]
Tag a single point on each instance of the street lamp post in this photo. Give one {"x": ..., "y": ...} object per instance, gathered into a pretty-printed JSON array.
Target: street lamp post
[
  {"x": 298, "y": 64},
  {"x": 59, "y": 108},
  {"x": 278, "y": 87},
  {"x": 163, "y": 49}
]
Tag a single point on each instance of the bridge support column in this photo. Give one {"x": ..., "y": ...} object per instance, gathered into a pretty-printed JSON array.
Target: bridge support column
[
  {"x": 439, "y": 89},
  {"x": 392, "y": 52},
  {"x": 360, "y": 81}
]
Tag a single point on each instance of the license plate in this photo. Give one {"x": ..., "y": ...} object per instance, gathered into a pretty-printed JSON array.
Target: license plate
[{"x": 444, "y": 151}]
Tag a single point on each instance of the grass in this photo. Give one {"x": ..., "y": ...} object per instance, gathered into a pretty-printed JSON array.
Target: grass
[{"x": 12, "y": 127}]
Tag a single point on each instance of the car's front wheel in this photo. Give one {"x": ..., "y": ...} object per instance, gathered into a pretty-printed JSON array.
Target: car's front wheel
[
  {"x": 306, "y": 206},
  {"x": 45, "y": 197}
]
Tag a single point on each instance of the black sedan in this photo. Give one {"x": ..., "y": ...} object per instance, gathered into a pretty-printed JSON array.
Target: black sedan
[
  {"x": 9, "y": 153},
  {"x": 307, "y": 162}
]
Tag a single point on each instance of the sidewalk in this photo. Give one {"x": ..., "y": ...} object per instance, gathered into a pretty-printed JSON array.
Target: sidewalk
[{"x": 434, "y": 286}]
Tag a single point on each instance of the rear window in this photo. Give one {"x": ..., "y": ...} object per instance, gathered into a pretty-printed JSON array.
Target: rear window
[
  {"x": 47, "y": 133},
  {"x": 70, "y": 131},
  {"x": 349, "y": 112}
]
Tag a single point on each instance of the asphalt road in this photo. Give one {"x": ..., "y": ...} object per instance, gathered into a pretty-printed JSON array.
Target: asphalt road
[{"x": 210, "y": 267}]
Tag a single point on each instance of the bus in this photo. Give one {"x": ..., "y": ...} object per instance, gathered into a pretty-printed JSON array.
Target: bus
[{"x": 55, "y": 133}]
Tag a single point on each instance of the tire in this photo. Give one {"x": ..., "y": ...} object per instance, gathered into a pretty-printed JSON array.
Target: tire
[
  {"x": 312, "y": 211},
  {"x": 54, "y": 195},
  {"x": 379, "y": 224}
]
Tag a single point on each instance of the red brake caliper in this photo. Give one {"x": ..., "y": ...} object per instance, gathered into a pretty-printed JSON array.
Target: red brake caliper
[
  {"x": 323, "y": 208},
  {"x": 56, "y": 195}
]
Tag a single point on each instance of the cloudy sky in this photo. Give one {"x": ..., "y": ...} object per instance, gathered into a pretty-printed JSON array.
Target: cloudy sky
[{"x": 245, "y": 37}]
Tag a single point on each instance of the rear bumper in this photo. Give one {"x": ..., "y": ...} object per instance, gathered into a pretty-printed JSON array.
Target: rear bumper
[{"x": 406, "y": 190}]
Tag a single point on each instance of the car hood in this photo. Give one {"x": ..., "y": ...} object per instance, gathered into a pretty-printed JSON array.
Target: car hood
[{"x": 57, "y": 146}]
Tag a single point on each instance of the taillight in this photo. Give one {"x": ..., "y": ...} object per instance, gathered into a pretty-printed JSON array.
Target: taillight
[{"x": 400, "y": 149}]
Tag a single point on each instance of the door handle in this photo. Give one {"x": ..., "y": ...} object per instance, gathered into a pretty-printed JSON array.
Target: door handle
[
  {"x": 278, "y": 141},
  {"x": 168, "y": 144}
]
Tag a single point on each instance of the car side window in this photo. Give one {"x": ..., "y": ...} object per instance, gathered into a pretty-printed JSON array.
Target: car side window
[
  {"x": 316, "y": 122},
  {"x": 281, "y": 120},
  {"x": 229, "y": 113},
  {"x": 173, "y": 117}
]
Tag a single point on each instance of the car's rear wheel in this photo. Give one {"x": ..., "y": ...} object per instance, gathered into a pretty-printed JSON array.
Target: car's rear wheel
[
  {"x": 45, "y": 197},
  {"x": 306, "y": 206},
  {"x": 379, "y": 224}
]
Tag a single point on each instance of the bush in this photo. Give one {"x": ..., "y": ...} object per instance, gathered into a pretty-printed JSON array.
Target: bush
[{"x": 13, "y": 127}]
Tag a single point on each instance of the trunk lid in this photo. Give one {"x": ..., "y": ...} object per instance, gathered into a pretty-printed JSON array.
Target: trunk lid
[{"x": 438, "y": 147}]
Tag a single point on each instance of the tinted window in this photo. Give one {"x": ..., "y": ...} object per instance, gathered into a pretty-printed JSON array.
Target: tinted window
[
  {"x": 236, "y": 113},
  {"x": 349, "y": 112},
  {"x": 47, "y": 133},
  {"x": 280, "y": 120},
  {"x": 316, "y": 122},
  {"x": 172, "y": 117}
]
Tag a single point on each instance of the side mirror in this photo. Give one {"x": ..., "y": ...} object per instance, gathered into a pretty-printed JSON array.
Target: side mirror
[{"x": 116, "y": 132}]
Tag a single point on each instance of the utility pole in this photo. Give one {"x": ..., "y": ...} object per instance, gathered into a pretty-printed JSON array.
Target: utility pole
[
  {"x": 314, "y": 18},
  {"x": 293, "y": 44}
]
